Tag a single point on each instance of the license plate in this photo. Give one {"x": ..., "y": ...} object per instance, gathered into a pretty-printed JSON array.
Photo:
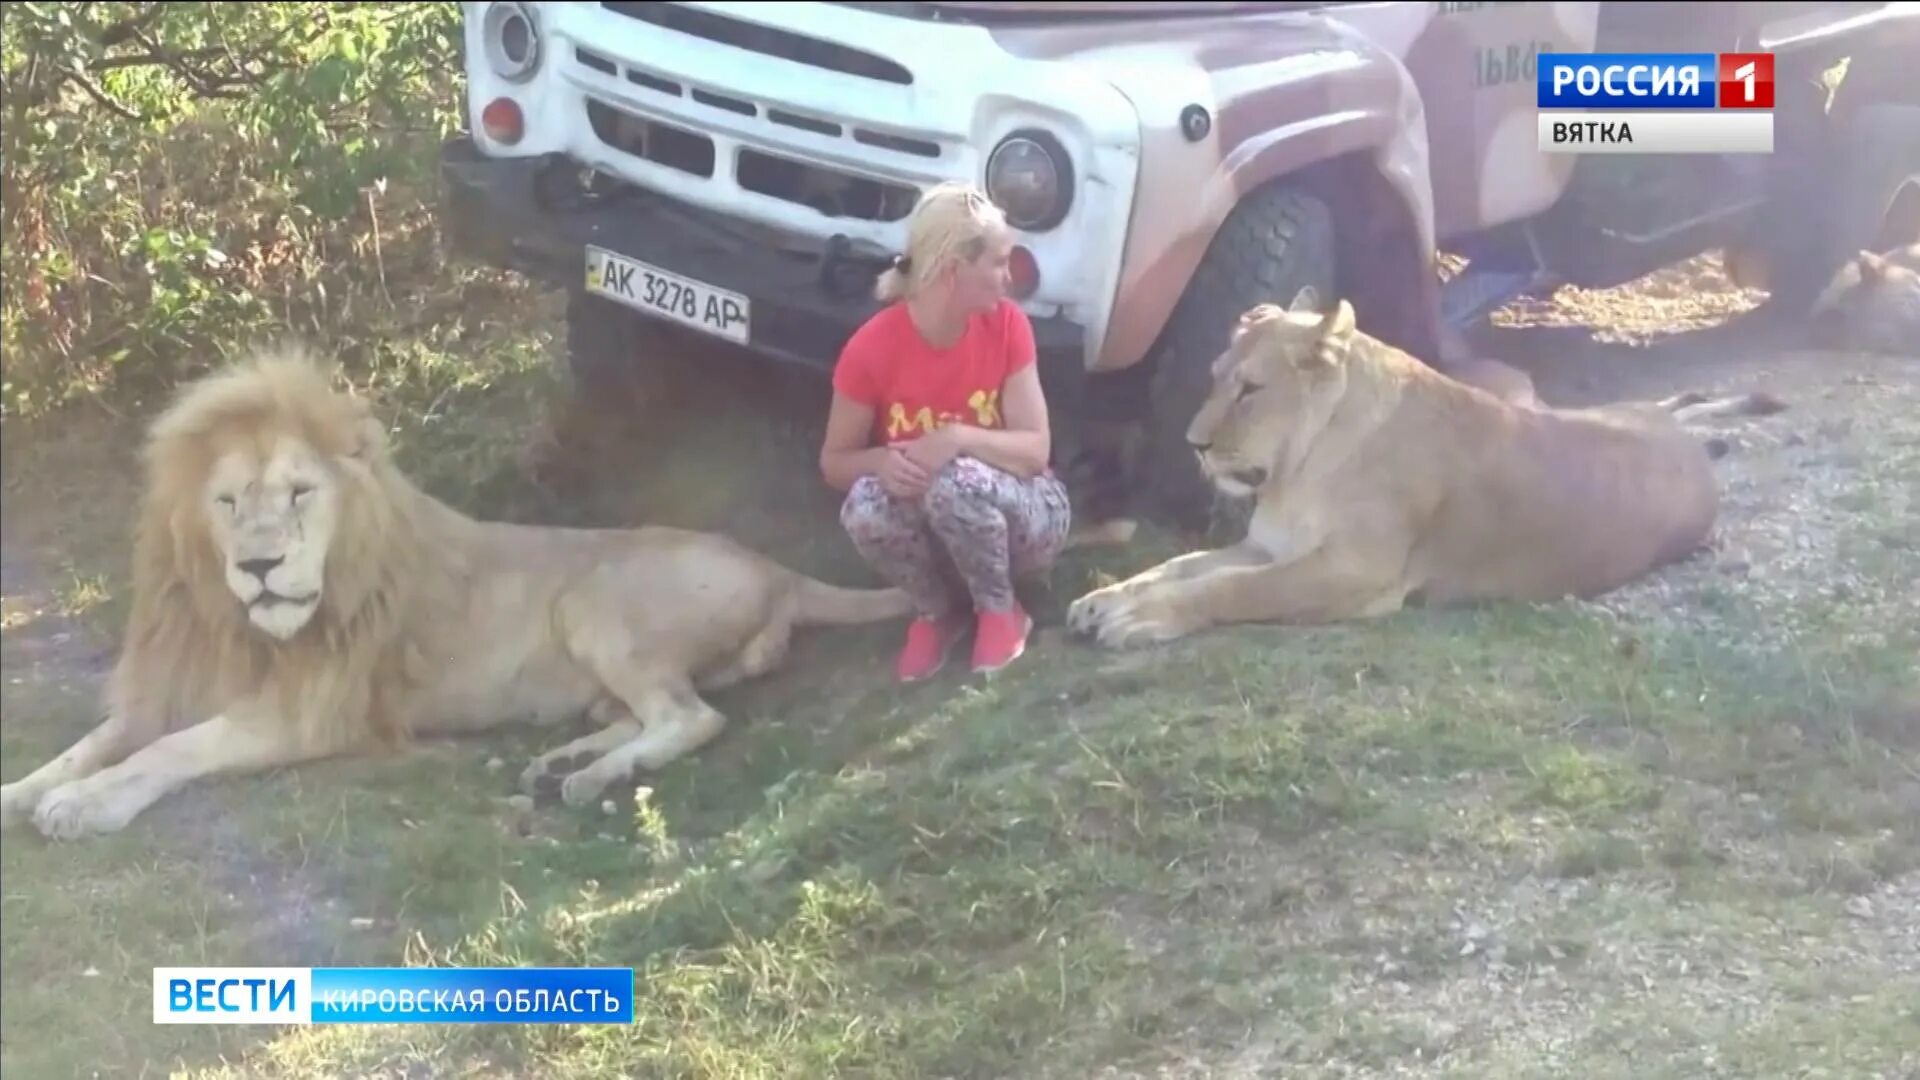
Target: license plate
[{"x": 665, "y": 293}]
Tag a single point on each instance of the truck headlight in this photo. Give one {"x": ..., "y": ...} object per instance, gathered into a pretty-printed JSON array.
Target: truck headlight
[
  {"x": 512, "y": 41},
  {"x": 1030, "y": 178}
]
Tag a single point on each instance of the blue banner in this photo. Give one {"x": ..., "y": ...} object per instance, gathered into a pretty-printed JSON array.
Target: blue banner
[
  {"x": 1626, "y": 80},
  {"x": 472, "y": 995},
  {"x": 375, "y": 995}
]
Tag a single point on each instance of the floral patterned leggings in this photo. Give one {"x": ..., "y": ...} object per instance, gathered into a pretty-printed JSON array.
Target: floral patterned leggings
[{"x": 974, "y": 531}]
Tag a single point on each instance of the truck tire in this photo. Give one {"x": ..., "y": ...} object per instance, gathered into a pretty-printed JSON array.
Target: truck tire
[
  {"x": 1875, "y": 206},
  {"x": 619, "y": 359},
  {"x": 1277, "y": 243},
  {"x": 618, "y": 378},
  {"x": 1848, "y": 180}
]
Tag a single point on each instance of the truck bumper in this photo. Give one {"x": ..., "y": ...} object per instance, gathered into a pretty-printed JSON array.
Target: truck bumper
[{"x": 530, "y": 215}]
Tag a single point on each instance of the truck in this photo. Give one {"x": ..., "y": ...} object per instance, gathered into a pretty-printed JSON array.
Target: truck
[{"x": 742, "y": 172}]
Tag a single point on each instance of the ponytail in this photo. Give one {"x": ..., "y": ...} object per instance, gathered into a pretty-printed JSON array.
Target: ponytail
[{"x": 894, "y": 280}]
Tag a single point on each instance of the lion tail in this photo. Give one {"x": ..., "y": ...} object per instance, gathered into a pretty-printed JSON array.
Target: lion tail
[
  {"x": 832, "y": 605},
  {"x": 1689, "y": 407}
]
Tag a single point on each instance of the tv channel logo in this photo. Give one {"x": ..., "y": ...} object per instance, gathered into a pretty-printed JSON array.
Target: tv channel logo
[
  {"x": 1672, "y": 103},
  {"x": 1655, "y": 81},
  {"x": 232, "y": 995},
  {"x": 1746, "y": 81}
]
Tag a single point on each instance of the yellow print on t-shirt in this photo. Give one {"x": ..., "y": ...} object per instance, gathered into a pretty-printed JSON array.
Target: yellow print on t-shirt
[
  {"x": 984, "y": 403},
  {"x": 986, "y": 407}
]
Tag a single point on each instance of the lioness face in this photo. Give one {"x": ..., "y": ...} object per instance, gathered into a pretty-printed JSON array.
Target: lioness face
[
  {"x": 273, "y": 519},
  {"x": 1279, "y": 371}
]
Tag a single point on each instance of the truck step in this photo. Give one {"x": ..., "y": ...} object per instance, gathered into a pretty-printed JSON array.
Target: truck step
[
  {"x": 1624, "y": 218},
  {"x": 1476, "y": 293},
  {"x": 1501, "y": 265}
]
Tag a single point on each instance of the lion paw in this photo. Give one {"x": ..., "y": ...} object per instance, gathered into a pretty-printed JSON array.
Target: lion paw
[
  {"x": 531, "y": 776},
  {"x": 1123, "y": 616},
  {"x": 72, "y": 811},
  {"x": 543, "y": 775},
  {"x": 16, "y": 803},
  {"x": 582, "y": 788}
]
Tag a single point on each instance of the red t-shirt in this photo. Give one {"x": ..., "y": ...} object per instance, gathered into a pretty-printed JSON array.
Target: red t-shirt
[{"x": 914, "y": 387}]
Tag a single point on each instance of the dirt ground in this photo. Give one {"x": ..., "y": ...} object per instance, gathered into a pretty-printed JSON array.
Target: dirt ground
[{"x": 1793, "y": 484}]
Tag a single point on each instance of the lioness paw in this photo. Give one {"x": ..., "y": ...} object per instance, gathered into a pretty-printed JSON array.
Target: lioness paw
[
  {"x": 1085, "y": 615},
  {"x": 1132, "y": 629},
  {"x": 75, "y": 810},
  {"x": 1121, "y": 617}
]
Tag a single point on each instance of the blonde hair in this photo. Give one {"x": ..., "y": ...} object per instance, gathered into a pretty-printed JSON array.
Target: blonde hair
[{"x": 953, "y": 220}]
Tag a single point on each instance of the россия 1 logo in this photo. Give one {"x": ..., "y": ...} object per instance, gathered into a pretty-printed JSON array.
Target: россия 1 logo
[{"x": 1656, "y": 103}]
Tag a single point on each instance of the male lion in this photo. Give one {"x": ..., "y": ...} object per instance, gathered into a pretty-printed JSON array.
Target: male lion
[
  {"x": 1380, "y": 479},
  {"x": 296, "y": 597}
]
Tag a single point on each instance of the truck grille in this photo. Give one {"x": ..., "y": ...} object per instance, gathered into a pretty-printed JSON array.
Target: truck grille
[
  {"x": 835, "y": 194},
  {"x": 903, "y": 144},
  {"x": 651, "y": 140},
  {"x": 765, "y": 40}
]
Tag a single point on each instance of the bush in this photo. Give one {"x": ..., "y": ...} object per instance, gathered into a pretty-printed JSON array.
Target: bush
[{"x": 179, "y": 179}]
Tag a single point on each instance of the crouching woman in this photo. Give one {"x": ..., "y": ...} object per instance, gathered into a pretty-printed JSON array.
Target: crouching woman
[{"x": 938, "y": 434}]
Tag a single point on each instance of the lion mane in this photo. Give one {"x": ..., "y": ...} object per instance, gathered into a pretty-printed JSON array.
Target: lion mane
[{"x": 189, "y": 649}]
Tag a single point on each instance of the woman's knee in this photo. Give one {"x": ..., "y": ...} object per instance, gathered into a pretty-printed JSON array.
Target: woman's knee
[
  {"x": 960, "y": 490},
  {"x": 1040, "y": 532},
  {"x": 1056, "y": 505},
  {"x": 867, "y": 509}
]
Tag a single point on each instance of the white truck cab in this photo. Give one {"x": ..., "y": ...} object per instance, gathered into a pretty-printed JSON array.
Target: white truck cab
[{"x": 744, "y": 170}]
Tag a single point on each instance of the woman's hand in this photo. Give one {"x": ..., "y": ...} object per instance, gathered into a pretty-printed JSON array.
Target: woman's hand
[
  {"x": 932, "y": 451},
  {"x": 901, "y": 476},
  {"x": 1022, "y": 447}
]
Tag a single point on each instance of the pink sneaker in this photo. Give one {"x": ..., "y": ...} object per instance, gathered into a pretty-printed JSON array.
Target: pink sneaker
[
  {"x": 928, "y": 644},
  {"x": 1000, "y": 638}
]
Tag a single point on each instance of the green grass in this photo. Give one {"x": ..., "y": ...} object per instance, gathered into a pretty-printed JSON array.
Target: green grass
[{"x": 1295, "y": 851}]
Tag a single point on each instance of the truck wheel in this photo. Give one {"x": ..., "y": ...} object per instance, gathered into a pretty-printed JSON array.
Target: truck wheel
[
  {"x": 1876, "y": 110},
  {"x": 619, "y": 360},
  {"x": 1851, "y": 185},
  {"x": 1871, "y": 201},
  {"x": 624, "y": 380},
  {"x": 1878, "y": 206},
  {"x": 1277, "y": 243}
]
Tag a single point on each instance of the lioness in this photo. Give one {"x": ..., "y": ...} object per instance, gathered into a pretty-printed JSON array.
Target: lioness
[
  {"x": 1379, "y": 479},
  {"x": 1872, "y": 304},
  {"x": 296, "y": 597}
]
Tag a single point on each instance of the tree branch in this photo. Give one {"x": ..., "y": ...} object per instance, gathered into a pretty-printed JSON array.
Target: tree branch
[
  {"x": 107, "y": 101},
  {"x": 150, "y": 58},
  {"x": 203, "y": 81}
]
